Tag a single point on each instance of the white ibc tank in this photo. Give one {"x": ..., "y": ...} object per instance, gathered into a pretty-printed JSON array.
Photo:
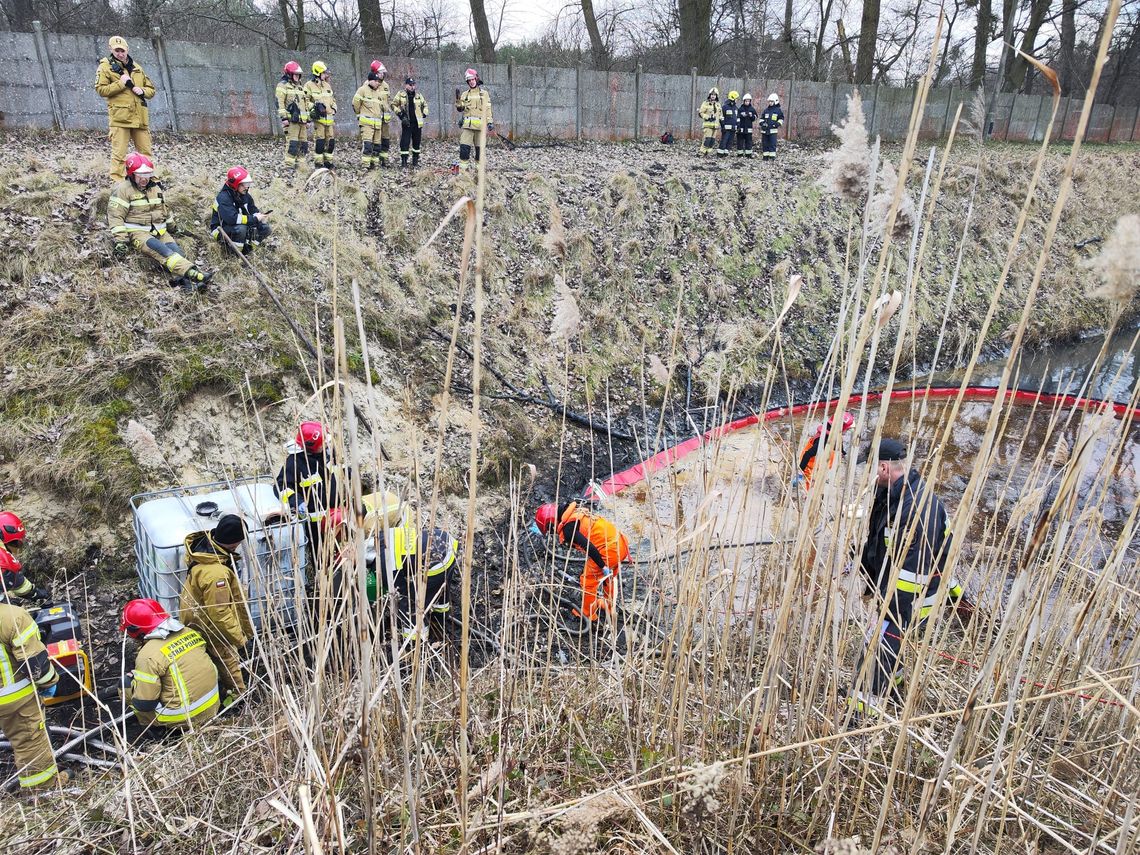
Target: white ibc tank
[{"x": 272, "y": 569}]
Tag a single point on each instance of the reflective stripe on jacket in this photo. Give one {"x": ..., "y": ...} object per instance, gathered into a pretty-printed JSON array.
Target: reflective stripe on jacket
[
  {"x": 472, "y": 103},
  {"x": 372, "y": 106},
  {"x": 130, "y": 209},
  {"x": 321, "y": 92},
  {"x": 177, "y": 672}
]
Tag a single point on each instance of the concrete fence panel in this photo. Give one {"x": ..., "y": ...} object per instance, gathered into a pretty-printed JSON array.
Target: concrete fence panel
[
  {"x": 1072, "y": 118},
  {"x": 608, "y": 100},
  {"x": 23, "y": 97},
  {"x": 1123, "y": 124},
  {"x": 1100, "y": 123},
  {"x": 545, "y": 102},
  {"x": 1023, "y": 111},
  {"x": 666, "y": 106}
]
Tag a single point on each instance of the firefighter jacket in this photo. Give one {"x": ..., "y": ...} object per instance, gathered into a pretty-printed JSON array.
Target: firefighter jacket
[
  {"x": 745, "y": 116},
  {"x": 772, "y": 119},
  {"x": 472, "y": 103},
  {"x": 728, "y": 116},
  {"x": 307, "y": 484},
  {"x": 131, "y": 210},
  {"x": 174, "y": 678},
  {"x": 898, "y": 510},
  {"x": 372, "y": 106},
  {"x": 232, "y": 208},
  {"x": 604, "y": 545},
  {"x": 426, "y": 551},
  {"x": 125, "y": 109},
  {"x": 411, "y": 108},
  {"x": 24, "y": 663},
  {"x": 212, "y": 598},
  {"x": 323, "y": 101},
  {"x": 13, "y": 582},
  {"x": 710, "y": 114},
  {"x": 292, "y": 100}
]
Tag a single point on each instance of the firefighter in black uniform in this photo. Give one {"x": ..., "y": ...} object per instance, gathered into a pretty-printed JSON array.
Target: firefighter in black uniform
[
  {"x": 771, "y": 121},
  {"x": 237, "y": 214},
  {"x": 745, "y": 117},
  {"x": 308, "y": 486},
  {"x": 907, "y": 524},
  {"x": 728, "y": 124}
]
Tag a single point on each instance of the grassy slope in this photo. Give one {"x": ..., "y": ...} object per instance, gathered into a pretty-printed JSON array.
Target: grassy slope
[{"x": 91, "y": 343}]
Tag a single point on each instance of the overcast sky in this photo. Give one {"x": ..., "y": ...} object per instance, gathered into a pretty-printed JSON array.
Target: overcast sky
[{"x": 524, "y": 19}]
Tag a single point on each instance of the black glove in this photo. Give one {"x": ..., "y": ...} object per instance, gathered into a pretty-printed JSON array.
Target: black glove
[
  {"x": 171, "y": 227},
  {"x": 127, "y": 680},
  {"x": 121, "y": 250},
  {"x": 41, "y": 594},
  {"x": 320, "y": 110}
]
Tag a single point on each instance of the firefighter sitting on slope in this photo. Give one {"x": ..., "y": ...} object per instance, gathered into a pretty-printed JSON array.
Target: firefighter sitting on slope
[
  {"x": 605, "y": 548},
  {"x": 236, "y": 213},
  {"x": 174, "y": 683},
  {"x": 139, "y": 218}
]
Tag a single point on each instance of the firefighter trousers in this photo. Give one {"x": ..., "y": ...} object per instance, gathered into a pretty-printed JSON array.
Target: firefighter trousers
[
  {"x": 708, "y": 143},
  {"x": 373, "y": 142},
  {"x": 22, "y": 722},
  {"x": 410, "y": 139},
  {"x": 468, "y": 141},
  {"x": 121, "y": 138},
  {"x": 744, "y": 143},
  {"x": 324, "y": 143},
  {"x": 727, "y": 141},
  {"x": 769, "y": 141},
  {"x": 296, "y": 143},
  {"x": 164, "y": 250},
  {"x": 225, "y": 658},
  {"x": 598, "y": 590},
  {"x": 245, "y": 236}
]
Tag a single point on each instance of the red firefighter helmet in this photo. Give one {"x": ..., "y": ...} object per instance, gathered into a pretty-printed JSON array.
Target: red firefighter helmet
[
  {"x": 846, "y": 423},
  {"x": 141, "y": 617},
  {"x": 292, "y": 67},
  {"x": 377, "y": 67},
  {"x": 311, "y": 437},
  {"x": 139, "y": 165},
  {"x": 237, "y": 176},
  {"x": 11, "y": 528},
  {"x": 333, "y": 519},
  {"x": 546, "y": 516},
  {"x": 471, "y": 74}
]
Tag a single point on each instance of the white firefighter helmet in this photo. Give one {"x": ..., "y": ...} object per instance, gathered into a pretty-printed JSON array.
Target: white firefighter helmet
[{"x": 773, "y": 98}]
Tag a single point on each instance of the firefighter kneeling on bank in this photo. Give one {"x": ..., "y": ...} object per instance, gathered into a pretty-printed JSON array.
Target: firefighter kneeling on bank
[
  {"x": 236, "y": 214},
  {"x": 25, "y": 671},
  {"x": 605, "y": 548},
  {"x": 174, "y": 683},
  {"x": 138, "y": 217},
  {"x": 213, "y": 602}
]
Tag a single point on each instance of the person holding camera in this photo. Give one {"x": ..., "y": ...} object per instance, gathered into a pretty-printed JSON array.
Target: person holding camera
[
  {"x": 320, "y": 92},
  {"x": 127, "y": 88},
  {"x": 412, "y": 110}
]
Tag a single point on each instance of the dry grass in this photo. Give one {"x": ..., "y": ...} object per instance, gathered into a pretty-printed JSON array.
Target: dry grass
[{"x": 710, "y": 731}]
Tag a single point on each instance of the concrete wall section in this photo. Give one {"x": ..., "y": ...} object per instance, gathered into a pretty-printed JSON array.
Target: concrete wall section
[
  {"x": 229, "y": 89},
  {"x": 23, "y": 97}
]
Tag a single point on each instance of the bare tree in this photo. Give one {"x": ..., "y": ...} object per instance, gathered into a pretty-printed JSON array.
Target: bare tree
[
  {"x": 293, "y": 22},
  {"x": 372, "y": 28},
  {"x": 983, "y": 33},
  {"x": 868, "y": 36},
  {"x": 696, "y": 37},
  {"x": 1018, "y": 66},
  {"x": 597, "y": 46},
  {"x": 484, "y": 44}
]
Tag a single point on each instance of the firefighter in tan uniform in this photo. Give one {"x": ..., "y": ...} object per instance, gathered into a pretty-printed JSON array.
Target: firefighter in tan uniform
[
  {"x": 475, "y": 105},
  {"x": 412, "y": 110},
  {"x": 293, "y": 107},
  {"x": 320, "y": 92},
  {"x": 26, "y": 673},
  {"x": 174, "y": 683},
  {"x": 710, "y": 121},
  {"x": 212, "y": 600},
  {"x": 126, "y": 87},
  {"x": 138, "y": 218},
  {"x": 370, "y": 103}
]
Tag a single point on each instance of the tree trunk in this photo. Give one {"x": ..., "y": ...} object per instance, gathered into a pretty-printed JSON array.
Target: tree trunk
[
  {"x": 825, "y": 19},
  {"x": 484, "y": 44},
  {"x": 696, "y": 40},
  {"x": 868, "y": 35},
  {"x": 787, "y": 34},
  {"x": 1067, "y": 71},
  {"x": 848, "y": 68},
  {"x": 982, "y": 35},
  {"x": 372, "y": 28},
  {"x": 287, "y": 24},
  {"x": 597, "y": 47},
  {"x": 1015, "y": 75},
  {"x": 21, "y": 13}
]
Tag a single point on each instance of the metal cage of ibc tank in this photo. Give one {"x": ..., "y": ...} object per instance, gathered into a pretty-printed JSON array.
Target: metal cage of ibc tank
[{"x": 272, "y": 569}]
